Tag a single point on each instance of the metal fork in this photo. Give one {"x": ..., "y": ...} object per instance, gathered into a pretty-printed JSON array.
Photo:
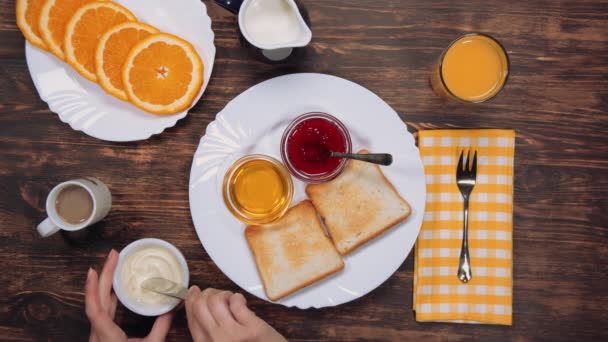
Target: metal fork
[{"x": 465, "y": 179}]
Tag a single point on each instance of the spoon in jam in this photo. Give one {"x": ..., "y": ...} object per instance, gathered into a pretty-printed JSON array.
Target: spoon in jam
[
  {"x": 376, "y": 158},
  {"x": 318, "y": 153}
]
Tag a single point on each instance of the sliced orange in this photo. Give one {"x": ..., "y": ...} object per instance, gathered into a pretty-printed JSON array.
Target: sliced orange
[
  {"x": 112, "y": 50},
  {"x": 85, "y": 28},
  {"x": 163, "y": 74},
  {"x": 28, "y": 17},
  {"x": 53, "y": 18}
]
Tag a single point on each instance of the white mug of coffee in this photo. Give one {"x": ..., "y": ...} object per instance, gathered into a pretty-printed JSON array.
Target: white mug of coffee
[{"x": 75, "y": 204}]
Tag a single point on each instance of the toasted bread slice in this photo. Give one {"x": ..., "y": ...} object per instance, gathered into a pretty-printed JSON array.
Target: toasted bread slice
[
  {"x": 292, "y": 252},
  {"x": 358, "y": 205}
]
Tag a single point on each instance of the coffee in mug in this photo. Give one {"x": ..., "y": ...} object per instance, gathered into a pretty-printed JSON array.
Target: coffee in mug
[{"x": 75, "y": 204}]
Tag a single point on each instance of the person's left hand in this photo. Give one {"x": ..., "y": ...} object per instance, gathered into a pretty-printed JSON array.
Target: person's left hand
[{"x": 101, "y": 303}]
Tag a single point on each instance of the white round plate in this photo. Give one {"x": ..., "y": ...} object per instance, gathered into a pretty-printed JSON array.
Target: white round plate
[
  {"x": 86, "y": 107},
  {"x": 253, "y": 123}
]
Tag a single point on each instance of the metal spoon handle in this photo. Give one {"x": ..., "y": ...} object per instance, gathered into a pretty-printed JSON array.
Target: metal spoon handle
[
  {"x": 165, "y": 287},
  {"x": 376, "y": 158}
]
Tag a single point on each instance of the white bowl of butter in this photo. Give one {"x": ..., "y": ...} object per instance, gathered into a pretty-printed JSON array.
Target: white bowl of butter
[{"x": 143, "y": 259}]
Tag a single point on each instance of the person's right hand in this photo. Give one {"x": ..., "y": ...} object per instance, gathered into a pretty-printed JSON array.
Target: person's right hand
[{"x": 215, "y": 315}]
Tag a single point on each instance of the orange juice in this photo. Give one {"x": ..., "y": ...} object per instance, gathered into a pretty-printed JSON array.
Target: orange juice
[{"x": 474, "y": 68}]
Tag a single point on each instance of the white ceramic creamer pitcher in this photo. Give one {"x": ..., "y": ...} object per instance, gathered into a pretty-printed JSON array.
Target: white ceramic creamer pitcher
[{"x": 275, "y": 27}]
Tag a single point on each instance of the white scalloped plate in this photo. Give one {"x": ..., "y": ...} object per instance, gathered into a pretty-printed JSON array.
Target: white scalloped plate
[
  {"x": 86, "y": 107},
  {"x": 253, "y": 122}
]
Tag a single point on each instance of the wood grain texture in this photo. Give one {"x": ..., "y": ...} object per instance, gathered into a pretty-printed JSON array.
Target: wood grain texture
[{"x": 556, "y": 99}]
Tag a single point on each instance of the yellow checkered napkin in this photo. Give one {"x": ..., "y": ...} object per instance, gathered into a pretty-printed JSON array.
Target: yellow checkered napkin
[{"x": 438, "y": 294}]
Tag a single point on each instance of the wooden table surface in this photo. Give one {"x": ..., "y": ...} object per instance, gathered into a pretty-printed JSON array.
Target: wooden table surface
[{"x": 556, "y": 99}]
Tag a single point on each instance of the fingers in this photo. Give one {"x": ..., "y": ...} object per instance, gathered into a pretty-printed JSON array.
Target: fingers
[
  {"x": 239, "y": 309},
  {"x": 100, "y": 321},
  {"x": 91, "y": 294},
  {"x": 219, "y": 309},
  {"x": 193, "y": 294},
  {"x": 223, "y": 316},
  {"x": 113, "y": 304},
  {"x": 161, "y": 327},
  {"x": 201, "y": 310},
  {"x": 105, "y": 280},
  {"x": 195, "y": 328},
  {"x": 93, "y": 337}
]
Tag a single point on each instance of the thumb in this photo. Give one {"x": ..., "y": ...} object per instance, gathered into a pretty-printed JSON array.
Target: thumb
[{"x": 161, "y": 327}]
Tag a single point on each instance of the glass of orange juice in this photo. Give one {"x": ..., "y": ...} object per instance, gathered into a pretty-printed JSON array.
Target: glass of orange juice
[{"x": 473, "y": 68}]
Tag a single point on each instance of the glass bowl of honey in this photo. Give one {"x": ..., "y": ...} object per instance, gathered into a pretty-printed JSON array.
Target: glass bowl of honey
[{"x": 257, "y": 189}]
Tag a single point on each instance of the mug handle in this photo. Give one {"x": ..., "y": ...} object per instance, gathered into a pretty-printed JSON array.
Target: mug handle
[
  {"x": 47, "y": 228},
  {"x": 232, "y": 5}
]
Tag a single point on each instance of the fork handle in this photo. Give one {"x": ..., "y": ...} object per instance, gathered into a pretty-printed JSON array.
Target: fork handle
[{"x": 464, "y": 267}]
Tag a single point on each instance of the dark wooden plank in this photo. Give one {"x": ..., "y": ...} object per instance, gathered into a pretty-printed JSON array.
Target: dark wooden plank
[{"x": 556, "y": 99}]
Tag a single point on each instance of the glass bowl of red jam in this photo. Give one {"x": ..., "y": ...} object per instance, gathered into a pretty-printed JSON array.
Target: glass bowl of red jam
[{"x": 307, "y": 143}]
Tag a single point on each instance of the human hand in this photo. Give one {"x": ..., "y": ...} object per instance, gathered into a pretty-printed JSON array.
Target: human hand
[
  {"x": 101, "y": 303},
  {"x": 215, "y": 315}
]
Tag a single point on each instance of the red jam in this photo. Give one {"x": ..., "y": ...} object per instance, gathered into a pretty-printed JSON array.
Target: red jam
[{"x": 310, "y": 143}]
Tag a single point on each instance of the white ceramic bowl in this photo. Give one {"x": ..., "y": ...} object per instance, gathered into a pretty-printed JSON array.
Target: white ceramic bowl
[{"x": 131, "y": 304}]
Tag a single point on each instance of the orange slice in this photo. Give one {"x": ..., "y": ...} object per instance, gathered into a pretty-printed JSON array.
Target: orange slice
[
  {"x": 163, "y": 74},
  {"x": 111, "y": 52},
  {"x": 28, "y": 17},
  {"x": 84, "y": 30},
  {"x": 53, "y": 18}
]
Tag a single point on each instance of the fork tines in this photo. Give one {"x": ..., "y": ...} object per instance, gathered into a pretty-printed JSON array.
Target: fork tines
[{"x": 469, "y": 167}]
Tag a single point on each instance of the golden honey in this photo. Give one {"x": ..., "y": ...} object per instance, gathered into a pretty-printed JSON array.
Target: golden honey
[{"x": 257, "y": 189}]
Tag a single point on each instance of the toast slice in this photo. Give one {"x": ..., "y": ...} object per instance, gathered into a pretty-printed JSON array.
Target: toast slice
[
  {"x": 358, "y": 205},
  {"x": 292, "y": 252}
]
